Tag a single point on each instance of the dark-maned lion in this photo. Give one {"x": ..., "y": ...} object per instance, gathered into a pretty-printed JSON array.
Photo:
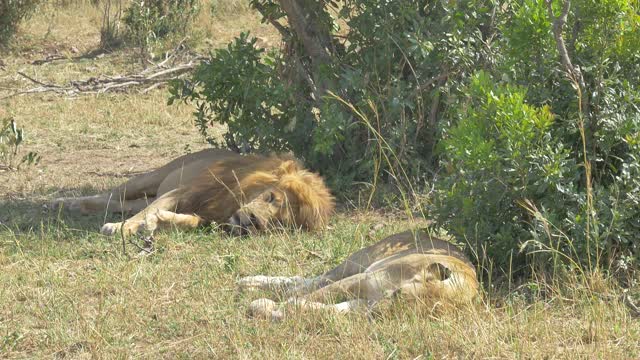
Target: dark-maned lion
[
  {"x": 249, "y": 193},
  {"x": 411, "y": 265}
]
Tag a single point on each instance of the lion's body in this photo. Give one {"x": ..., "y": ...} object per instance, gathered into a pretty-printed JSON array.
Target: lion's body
[
  {"x": 412, "y": 265},
  {"x": 207, "y": 186}
]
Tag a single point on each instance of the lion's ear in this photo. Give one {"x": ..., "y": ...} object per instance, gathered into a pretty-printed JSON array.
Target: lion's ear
[{"x": 287, "y": 167}]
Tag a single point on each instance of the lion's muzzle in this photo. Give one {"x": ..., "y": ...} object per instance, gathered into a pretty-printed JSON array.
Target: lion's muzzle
[{"x": 242, "y": 223}]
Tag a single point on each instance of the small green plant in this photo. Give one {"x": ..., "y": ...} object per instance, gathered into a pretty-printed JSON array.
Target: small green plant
[
  {"x": 148, "y": 22},
  {"x": 11, "y": 138}
]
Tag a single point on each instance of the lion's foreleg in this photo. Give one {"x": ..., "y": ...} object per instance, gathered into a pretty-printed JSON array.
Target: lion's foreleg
[
  {"x": 163, "y": 219},
  {"x": 168, "y": 202},
  {"x": 269, "y": 309}
]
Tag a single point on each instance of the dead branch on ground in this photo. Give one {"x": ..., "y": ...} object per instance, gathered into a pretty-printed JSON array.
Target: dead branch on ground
[{"x": 148, "y": 79}]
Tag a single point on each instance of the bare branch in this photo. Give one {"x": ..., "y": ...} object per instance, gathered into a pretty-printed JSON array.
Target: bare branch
[
  {"x": 34, "y": 80},
  {"x": 558, "y": 27},
  {"x": 316, "y": 42},
  {"x": 438, "y": 79}
]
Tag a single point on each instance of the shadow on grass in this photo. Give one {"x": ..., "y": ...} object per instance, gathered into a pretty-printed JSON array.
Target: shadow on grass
[
  {"x": 28, "y": 228},
  {"x": 90, "y": 55},
  {"x": 28, "y": 216}
]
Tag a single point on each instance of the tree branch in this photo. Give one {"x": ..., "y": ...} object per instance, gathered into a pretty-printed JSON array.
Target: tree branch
[
  {"x": 315, "y": 45},
  {"x": 558, "y": 27},
  {"x": 286, "y": 35}
]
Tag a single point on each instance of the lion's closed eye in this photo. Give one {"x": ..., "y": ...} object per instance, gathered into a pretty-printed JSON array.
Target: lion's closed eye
[{"x": 270, "y": 197}]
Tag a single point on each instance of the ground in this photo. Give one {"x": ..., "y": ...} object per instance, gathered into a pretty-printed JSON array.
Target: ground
[{"x": 68, "y": 292}]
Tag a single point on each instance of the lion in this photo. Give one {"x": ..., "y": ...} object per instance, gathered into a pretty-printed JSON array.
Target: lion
[
  {"x": 247, "y": 193},
  {"x": 409, "y": 265}
]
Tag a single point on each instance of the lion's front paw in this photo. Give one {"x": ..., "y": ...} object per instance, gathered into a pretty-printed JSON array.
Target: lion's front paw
[
  {"x": 126, "y": 228},
  {"x": 111, "y": 229},
  {"x": 265, "y": 309}
]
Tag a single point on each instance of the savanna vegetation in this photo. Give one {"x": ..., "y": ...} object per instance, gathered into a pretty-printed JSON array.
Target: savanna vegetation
[{"x": 511, "y": 127}]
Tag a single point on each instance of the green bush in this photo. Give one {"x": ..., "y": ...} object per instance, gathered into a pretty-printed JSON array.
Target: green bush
[
  {"x": 480, "y": 81},
  {"x": 12, "y": 12},
  {"x": 500, "y": 153},
  {"x": 513, "y": 182},
  {"x": 260, "y": 106},
  {"x": 498, "y": 175}
]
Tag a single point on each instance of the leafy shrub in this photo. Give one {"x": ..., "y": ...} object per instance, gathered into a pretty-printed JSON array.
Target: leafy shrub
[
  {"x": 499, "y": 194},
  {"x": 500, "y": 153},
  {"x": 12, "y": 12},
  {"x": 258, "y": 111},
  {"x": 511, "y": 178}
]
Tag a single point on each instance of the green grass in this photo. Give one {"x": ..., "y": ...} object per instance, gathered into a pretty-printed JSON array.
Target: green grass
[{"x": 68, "y": 292}]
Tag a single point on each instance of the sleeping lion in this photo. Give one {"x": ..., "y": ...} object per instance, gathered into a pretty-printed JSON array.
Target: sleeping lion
[
  {"x": 247, "y": 193},
  {"x": 411, "y": 265}
]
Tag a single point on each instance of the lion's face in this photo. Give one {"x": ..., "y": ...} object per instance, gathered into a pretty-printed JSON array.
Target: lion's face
[
  {"x": 271, "y": 208},
  {"x": 285, "y": 197}
]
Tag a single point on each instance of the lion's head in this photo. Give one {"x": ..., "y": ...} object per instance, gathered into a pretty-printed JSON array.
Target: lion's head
[{"x": 288, "y": 196}]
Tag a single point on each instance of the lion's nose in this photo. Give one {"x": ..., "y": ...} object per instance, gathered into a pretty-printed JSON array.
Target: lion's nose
[
  {"x": 235, "y": 226},
  {"x": 254, "y": 221},
  {"x": 241, "y": 222}
]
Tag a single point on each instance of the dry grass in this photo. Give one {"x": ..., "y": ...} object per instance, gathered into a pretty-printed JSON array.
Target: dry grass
[{"x": 67, "y": 292}]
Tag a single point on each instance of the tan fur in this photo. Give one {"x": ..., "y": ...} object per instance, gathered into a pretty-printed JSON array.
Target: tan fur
[
  {"x": 216, "y": 186},
  {"x": 411, "y": 265}
]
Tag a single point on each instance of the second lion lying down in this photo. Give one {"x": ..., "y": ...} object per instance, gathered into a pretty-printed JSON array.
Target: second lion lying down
[
  {"x": 411, "y": 265},
  {"x": 248, "y": 193}
]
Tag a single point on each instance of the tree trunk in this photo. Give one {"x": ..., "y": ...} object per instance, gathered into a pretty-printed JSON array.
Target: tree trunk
[{"x": 311, "y": 24}]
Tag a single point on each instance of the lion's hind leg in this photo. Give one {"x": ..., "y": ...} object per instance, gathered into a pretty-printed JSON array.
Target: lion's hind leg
[
  {"x": 132, "y": 196},
  {"x": 97, "y": 203}
]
